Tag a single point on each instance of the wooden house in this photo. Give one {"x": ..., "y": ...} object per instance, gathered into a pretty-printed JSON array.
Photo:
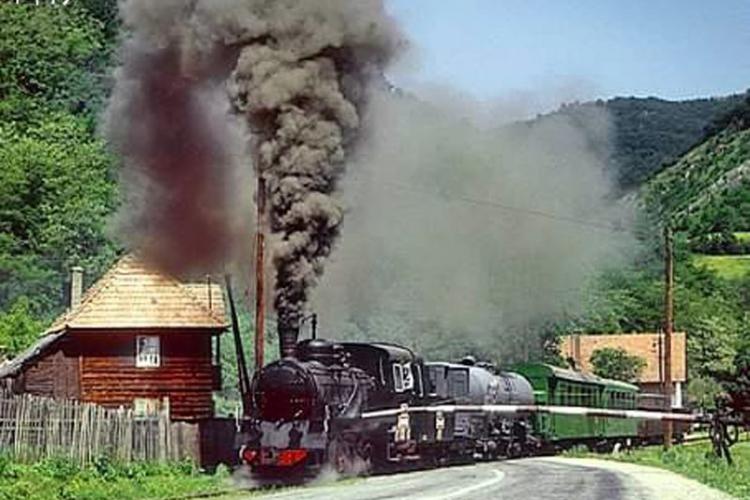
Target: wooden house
[{"x": 136, "y": 339}]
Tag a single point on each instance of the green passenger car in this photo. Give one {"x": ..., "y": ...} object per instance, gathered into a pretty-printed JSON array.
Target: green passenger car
[{"x": 559, "y": 387}]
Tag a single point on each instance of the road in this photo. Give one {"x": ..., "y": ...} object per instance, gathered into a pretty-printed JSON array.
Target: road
[{"x": 531, "y": 479}]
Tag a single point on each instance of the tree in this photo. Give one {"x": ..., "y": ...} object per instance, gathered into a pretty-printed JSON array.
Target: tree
[
  {"x": 56, "y": 182},
  {"x": 18, "y": 328},
  {"x": 56, "y": 192},
  {"x": 705, "y": 392},
  {"x": 616, "y": 363},
  {"x": 51, "y": 57}
]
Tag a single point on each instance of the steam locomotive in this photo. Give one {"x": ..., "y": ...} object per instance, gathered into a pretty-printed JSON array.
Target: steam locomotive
[
  {"x": 346, "y": 405},
  {"x": 321, "y": 406}
]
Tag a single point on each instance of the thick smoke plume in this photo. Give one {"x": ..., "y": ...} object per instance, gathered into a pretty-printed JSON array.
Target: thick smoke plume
[
  {"x": 296, "y": 71},
  {"x": 462, "y": 237},
  {"x": 301, "y": 81},
  {"x": 186, "y": 180}
]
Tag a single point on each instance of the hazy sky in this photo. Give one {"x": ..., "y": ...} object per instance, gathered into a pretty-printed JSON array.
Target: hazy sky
[{"x": 577, "y": 49}]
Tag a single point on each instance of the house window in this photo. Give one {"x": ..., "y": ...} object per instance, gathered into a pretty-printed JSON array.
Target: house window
[
  {"x": 147, "y": 351},
  {"x": 149, "y": 407}
]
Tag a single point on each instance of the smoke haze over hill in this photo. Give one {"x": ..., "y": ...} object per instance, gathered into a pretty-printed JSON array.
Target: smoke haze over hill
[{"x": 465, "y": 237}]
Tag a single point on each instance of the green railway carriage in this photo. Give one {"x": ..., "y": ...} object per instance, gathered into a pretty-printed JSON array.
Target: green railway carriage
[{"x": 560, "y": 387}]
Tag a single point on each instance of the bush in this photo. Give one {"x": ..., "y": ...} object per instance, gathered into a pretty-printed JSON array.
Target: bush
[
  {"x": 616, "y": 363},
  {"x": 59, "y": 478},
  {"x": 724, "y": 243},
  {"x": 18, "y": 328}
]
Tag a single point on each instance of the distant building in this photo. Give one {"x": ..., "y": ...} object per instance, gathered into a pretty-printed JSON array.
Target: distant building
[
  {"x": 647, "y": 346},
  {"x": 136, "y": 339}
]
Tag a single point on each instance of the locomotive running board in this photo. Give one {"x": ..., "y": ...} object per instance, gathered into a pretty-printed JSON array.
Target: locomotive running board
[{"x": 540, "y": 409}]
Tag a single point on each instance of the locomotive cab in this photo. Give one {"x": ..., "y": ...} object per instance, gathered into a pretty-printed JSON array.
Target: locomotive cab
[{"x": 397, "y": 372}]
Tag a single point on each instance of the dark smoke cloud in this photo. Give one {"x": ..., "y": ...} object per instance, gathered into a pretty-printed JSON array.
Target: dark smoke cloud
[
  {"x": 448, "y": 246},
  {"x": 185, "y": 172},
  {"x": 297, "y": 71},
  {"x": 301, "y": 82}
]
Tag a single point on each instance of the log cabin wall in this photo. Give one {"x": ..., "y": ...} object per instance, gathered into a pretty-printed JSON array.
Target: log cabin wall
[
  {"x": 54, "y": 375},
  {"x": 109, "y": 375}
]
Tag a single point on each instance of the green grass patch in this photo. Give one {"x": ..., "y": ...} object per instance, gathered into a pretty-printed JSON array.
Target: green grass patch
[
  {"x": 55, "y": 479},
  {"x": 726, "y": 266},
  {"x": 743, "y": 236},
  {"x": 695, "y": 461}
]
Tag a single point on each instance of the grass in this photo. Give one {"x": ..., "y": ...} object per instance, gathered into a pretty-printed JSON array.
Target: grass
[
  {"x": 697, "y": 461},
  {"x": 742, "y": 236},
  {"x": 58, "y": 479},
  {"x": 726, "y": 266}
]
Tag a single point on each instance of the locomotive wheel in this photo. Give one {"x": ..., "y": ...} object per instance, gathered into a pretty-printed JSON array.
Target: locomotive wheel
[
  {"x": 339, "y": 456},
  {"x": 365, "y": 451},
  {"x": 350, "y": 459},
  {"x": 733, "y": 434}
]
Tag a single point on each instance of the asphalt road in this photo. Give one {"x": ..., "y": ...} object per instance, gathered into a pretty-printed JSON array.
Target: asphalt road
[{"x": 531, "y": 479}]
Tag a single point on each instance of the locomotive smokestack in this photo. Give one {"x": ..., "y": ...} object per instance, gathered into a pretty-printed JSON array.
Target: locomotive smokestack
[{"x": 288, "y": 335}]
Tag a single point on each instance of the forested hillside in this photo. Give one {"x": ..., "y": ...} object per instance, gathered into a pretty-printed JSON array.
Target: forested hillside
[
  {"x": 650, "y": 133},
  {"x": 57, "y": 183},
  {"x": 708, "y": 189},
  {"x": 705, "y": 196}
]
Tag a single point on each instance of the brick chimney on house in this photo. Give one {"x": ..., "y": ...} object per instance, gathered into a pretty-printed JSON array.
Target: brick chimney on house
[{"x": 76, "y": 286}]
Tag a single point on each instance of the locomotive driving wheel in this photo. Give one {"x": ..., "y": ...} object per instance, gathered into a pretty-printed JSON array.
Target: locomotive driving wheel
[
  {"x": 337, "y": 455},
  {"x": 365, "y": 452},
  {"x": 350, "y": 458},
  {"x": 342, "y": 457}
]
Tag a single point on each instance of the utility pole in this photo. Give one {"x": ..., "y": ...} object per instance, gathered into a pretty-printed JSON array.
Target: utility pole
[
  {"x": 260, "y": 292},
  {"x": 668, "y": 327}
]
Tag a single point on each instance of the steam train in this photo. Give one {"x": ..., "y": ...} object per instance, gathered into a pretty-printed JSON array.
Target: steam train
[{"x": 344, "y": 405}]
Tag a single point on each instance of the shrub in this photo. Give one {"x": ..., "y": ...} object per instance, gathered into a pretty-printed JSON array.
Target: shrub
[{"x": 616, "y": 363}]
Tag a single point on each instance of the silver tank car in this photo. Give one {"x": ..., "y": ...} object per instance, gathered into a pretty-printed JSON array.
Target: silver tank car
[
  {"x": 503, "y": 388},
  {"x": 468, "y": 383}
]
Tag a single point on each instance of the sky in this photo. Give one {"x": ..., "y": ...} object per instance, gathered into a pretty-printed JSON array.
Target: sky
[{"x": 545, "y": 52}]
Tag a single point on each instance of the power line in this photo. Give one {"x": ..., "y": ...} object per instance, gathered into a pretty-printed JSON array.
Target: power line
[{"x": 502, "y": 206}]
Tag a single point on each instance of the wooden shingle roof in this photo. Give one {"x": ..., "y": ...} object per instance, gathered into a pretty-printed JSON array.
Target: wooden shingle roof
[{"x": 134, "y": 295}]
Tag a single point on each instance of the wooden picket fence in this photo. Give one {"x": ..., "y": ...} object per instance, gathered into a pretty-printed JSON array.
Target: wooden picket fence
[{"x": 33, "y": 428}]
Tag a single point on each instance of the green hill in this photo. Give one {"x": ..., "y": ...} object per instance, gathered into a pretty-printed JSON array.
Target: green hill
[
  {"x": 706, "y": 195},
  {"x": 707, "y": 191},
  {"x": 725, "y": 266},
  {"x": 649, "y": 133}
]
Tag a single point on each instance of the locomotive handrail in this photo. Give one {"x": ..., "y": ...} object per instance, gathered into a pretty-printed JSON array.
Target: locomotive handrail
[{"x": 543, "y": 409}]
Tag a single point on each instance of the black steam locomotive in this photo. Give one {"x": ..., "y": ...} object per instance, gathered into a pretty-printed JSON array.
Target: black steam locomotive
[{"x": 337, "y": 404}]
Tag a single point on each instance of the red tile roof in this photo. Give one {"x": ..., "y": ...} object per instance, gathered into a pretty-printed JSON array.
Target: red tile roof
[{"x": 134, "y": 295}]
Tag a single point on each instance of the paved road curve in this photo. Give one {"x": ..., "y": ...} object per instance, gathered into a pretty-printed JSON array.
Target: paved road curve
[{"x": 543, "y": 479}]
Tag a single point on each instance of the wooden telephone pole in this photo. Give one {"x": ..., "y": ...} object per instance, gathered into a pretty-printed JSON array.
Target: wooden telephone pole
[
  {"x": 668, "y": 328},
  {"x": 260, "y": 288}
]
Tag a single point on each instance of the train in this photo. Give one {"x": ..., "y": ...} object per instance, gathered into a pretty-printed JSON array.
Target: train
[{"x": 346, "y": 406}]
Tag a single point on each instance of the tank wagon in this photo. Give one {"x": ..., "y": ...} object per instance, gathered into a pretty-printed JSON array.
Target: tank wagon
[{"x": 479, "y": 434}]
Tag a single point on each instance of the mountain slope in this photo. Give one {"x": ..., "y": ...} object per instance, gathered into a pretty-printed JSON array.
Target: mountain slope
[
  {"x": 708, "y": 189},
  {"x": 649, "y": 133}
]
